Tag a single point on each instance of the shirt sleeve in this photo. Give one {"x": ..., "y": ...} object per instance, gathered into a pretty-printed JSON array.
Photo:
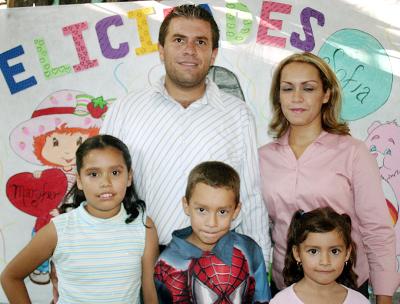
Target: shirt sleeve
[
  {"x": 375, "y": 224},
  {"x": 254, "y": 213}
]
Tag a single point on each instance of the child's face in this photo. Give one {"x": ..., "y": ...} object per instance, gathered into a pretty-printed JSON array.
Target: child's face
[
  {"x": 322, "y": 256},
  {"x": 104, "y": 178},
  {"x": 211, "y": 212}
]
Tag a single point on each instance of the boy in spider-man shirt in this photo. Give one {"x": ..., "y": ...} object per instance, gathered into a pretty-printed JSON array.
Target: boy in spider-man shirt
[{"x": 206, "y": 262}]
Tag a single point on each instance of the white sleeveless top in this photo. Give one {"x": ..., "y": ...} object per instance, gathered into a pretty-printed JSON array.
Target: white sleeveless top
[{"x": 98, "y": 260}]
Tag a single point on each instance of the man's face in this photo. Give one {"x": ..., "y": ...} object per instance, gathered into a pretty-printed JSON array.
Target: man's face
[{"x": 187, "y": 53}]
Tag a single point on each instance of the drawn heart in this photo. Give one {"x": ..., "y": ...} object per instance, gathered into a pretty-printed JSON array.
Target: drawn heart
[{"x": 37, "y": 196}]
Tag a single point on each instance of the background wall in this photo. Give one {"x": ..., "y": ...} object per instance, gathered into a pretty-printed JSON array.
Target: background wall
[{"x": 55, "y": 61}]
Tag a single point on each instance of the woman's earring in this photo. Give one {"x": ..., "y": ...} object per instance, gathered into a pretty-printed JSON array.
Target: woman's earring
[
  {"x": 299, "y": 265},
  {"x": 345, "y": 263}
]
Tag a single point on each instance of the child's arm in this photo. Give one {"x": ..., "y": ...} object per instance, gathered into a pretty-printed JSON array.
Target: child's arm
[
  {"x": 383, "y": 299},
  {"x": 39, "y": 249},
  {"x": 149, "y": 258}
]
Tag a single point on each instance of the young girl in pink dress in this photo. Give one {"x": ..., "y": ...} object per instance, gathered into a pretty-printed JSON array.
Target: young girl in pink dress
[{"x": 319, "y": 260}]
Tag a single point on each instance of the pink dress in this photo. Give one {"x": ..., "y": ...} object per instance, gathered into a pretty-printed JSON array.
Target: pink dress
[{"x": 288, "y": 295}]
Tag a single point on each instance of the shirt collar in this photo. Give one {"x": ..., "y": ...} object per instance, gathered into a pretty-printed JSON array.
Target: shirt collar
[
  {"x": 223, "y": 250},
  {"x": 212, "y": 95},
  {"x": 121, "y": 215},
  {"x": 323, "y": 138}
]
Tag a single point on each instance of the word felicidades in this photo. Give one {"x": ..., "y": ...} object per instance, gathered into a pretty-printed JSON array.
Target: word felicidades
[{"x": 16, "y": 83}]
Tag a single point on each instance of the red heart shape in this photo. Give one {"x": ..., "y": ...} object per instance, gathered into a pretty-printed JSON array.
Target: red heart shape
[{"x": 37, "y": 196}]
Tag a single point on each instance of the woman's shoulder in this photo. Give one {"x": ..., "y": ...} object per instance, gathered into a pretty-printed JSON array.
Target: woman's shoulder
[
  {"x": 270, "y": 146},
  {"x": 350, "y": 140},
  {"x": 267, "y": 145},
  {"x": 344, "y": 142},
  {"x": 357, "y": 148}
]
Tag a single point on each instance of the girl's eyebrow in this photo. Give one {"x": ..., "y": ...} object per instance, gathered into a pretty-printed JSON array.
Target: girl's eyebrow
[
  {"x": 311, "y": 246},
  {"x": 99, "y": 168},
  {"x": 316, "y": 246},
  {"x": 89, "y": 169}
]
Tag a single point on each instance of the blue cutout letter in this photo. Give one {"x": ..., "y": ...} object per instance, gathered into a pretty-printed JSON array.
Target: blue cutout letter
[{"x": 10, "y": 71}]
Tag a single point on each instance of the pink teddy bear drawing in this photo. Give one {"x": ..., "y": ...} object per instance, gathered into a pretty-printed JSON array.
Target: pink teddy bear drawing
[{"x": 383, "y": 142}]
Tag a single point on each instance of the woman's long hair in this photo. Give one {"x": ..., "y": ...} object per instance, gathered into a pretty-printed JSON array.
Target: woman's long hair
[{"x": 330, "y": 111}]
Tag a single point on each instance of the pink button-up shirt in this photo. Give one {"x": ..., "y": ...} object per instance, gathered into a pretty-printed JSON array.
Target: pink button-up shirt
[{"x": 336, "y": 171}]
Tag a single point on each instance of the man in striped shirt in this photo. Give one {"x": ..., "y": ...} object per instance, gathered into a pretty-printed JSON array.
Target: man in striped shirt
[{"x": 184, "y": 120}]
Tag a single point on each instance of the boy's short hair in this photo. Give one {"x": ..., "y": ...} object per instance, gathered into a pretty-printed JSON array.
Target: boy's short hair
[{"x": 215, "y": 174}]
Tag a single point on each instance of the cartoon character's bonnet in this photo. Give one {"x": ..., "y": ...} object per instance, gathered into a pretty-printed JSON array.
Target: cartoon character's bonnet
[{"x": 73, "y": 108}]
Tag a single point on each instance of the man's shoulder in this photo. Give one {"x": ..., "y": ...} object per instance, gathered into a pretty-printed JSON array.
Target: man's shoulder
[
  {"x": 223, "y": 96},
  {"x": 232, "y": 100},
  {"x": 129, "y": 105},
  {"x": 146, "y": 94},
  {"x": 233, "y": 107}
]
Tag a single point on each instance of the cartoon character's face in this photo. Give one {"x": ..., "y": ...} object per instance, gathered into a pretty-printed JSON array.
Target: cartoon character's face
[
  {"x": 60, "y": 148},
  {"x": 212, "y": 281},
  {"x": 383, "y": 143}
]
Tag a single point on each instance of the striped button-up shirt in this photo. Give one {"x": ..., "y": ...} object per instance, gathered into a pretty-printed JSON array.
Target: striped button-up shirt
[{"x": 167, "y": 140}]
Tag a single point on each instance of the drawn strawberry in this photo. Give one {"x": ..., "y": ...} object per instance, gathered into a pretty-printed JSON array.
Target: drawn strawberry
[{"x": 97, "y": 107}]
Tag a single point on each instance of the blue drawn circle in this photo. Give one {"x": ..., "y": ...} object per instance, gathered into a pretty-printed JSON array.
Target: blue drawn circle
[{"x": 363, "y": 69}]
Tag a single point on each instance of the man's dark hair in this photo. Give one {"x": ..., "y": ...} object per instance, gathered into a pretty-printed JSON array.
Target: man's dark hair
[{"x": 190, "y": 11}]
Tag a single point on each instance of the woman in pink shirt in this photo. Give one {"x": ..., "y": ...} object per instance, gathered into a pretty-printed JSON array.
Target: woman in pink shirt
[{"x": 314, "y": 162}]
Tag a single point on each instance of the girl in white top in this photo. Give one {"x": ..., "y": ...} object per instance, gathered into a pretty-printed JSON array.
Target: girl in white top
[
  {"x": 319, "y": 260},
  {"x": 103, "y": 253}
]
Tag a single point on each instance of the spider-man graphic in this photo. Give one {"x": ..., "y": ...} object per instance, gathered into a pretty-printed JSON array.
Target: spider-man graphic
[{"x": 185, "y": 274}]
